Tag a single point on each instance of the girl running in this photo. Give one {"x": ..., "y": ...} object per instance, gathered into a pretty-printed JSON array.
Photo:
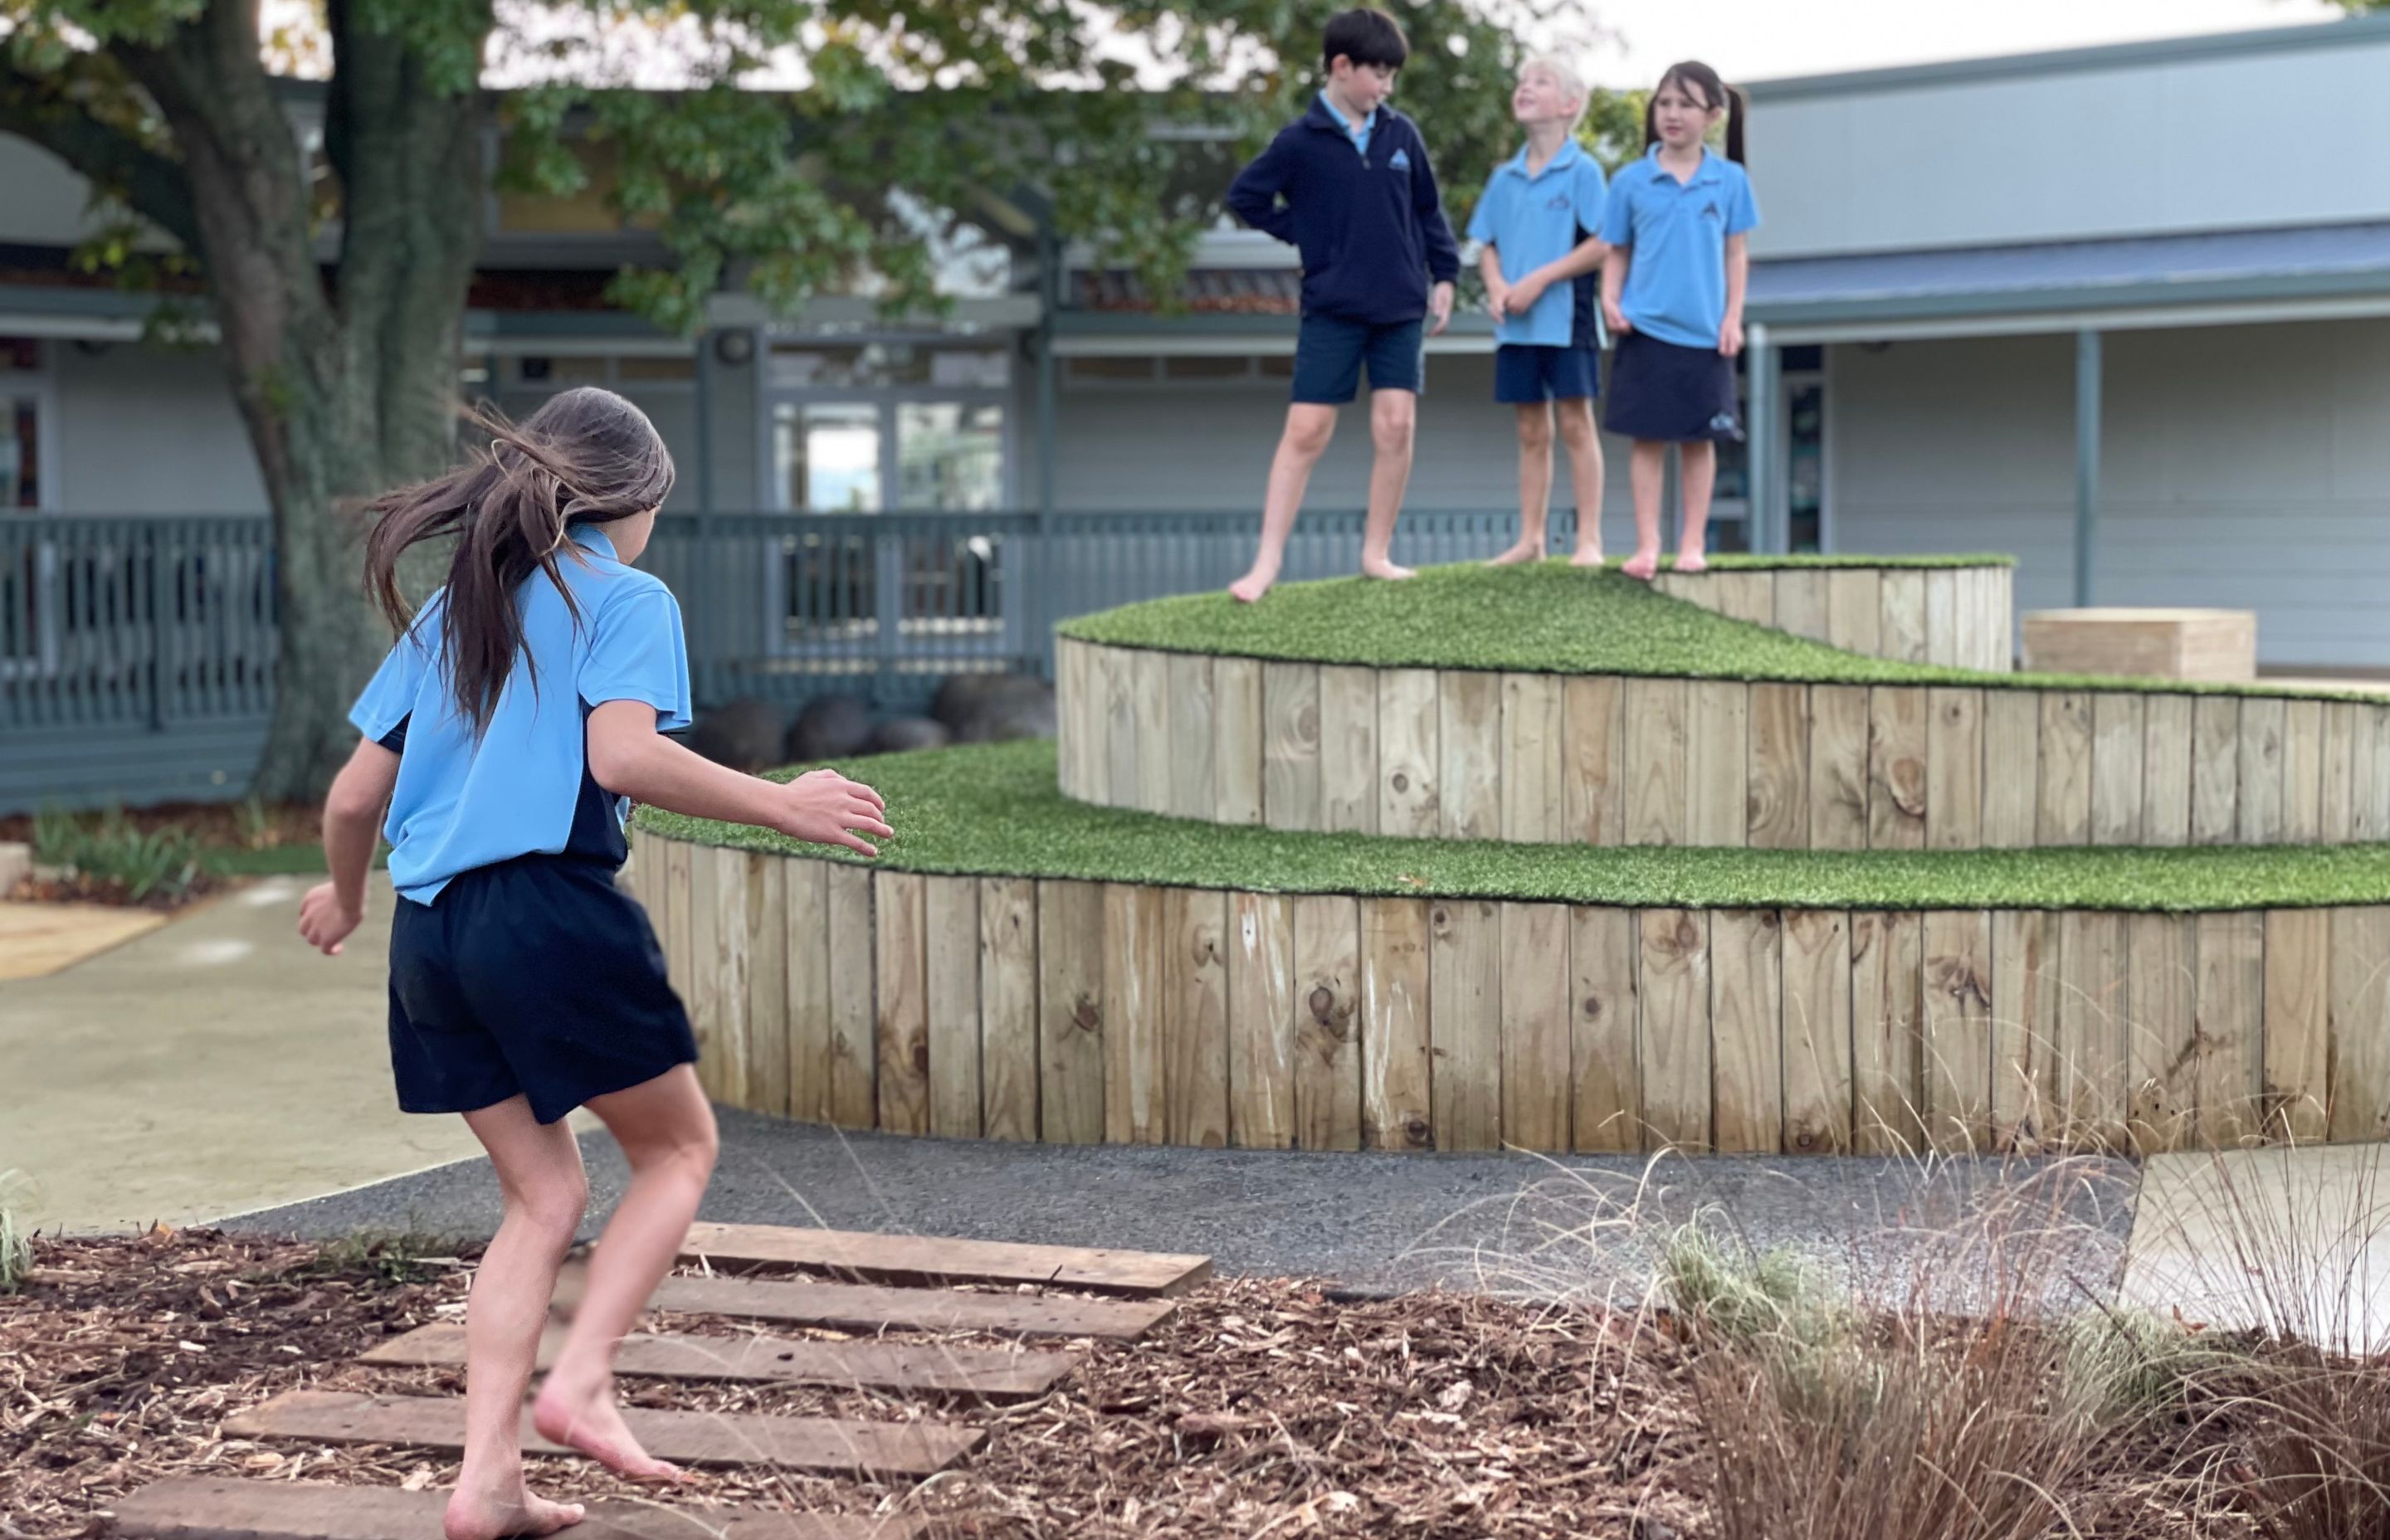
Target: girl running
[
  {"x": 1677, "y": 222},
  {"x": 516, "y": 719}
]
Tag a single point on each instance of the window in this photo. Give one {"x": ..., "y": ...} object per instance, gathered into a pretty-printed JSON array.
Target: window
[
  {"x": 826, "y": 456},
  {"x": 874, "y": 366},
  {"x": 949, "y": 457}
]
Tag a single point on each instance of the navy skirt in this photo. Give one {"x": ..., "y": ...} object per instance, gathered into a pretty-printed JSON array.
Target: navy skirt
[{"x": 1664, "y": 393}]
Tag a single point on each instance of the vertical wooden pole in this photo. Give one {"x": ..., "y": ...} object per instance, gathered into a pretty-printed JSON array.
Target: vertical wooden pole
[
  {"x": 1536, "y": 1025},
  {"x": 1464, "y": 1022},
  {"x": 1747, "y": 1030},
  {"x": 1327, "y": 1022},
  {"x": 1261, "y": 1020},
  {"x": 1606, "y": 1067},
  {"x": 1672, "y": 984},
  {"x": 1007, "y": 988},
  {"x": 1072, "y": 1007},
  {"x": 1395, "y": 1066},
  {"x": 1195, "y": 1017},
  {"x": 1817, "y": 1032}
]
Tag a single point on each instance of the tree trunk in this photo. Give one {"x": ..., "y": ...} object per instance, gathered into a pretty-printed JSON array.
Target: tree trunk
[{"x": 348, "y": 387}]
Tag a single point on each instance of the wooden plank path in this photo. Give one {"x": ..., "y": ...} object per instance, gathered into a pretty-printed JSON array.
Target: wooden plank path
[
  {"x": 224, "y": 1507},
  {"x": 834, "y": 1444},
  {"x": 228, "y": 1509},
  {"x": 868, "y": 1307},
  {"x": 920, "y": 1259},
  {"x": 994, "y": 1374}
]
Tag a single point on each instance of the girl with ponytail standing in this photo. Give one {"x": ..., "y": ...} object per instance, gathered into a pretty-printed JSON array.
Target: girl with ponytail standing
[
  {"x": 519, "y": 714},
  {"x": 1672, "y": 289}
]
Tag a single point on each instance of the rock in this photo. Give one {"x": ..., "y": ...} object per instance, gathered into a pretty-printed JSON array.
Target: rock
[
  {"x": 994, "y": 708},
  {"x": 900, "y": 735},
  {"x": 744, "y": 735},
  {"x": 832, "y": 726}
]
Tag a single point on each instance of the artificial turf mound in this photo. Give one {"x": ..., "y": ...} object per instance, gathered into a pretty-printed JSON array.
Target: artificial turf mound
[
  {"x": 994, "y": 810},
  {"x": 1551, "y": 618}
]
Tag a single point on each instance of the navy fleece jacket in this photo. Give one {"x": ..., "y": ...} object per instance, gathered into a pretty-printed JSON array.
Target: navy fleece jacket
[{"x": 1371, "y": 228}]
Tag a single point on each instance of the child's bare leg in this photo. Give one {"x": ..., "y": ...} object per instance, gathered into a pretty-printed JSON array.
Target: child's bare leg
[
  {"x": 539, "y": 1172},
  {"x": 1535, "y": 483},
  {"x": 1646, "y": 467},
  {"x": 1394, "y": 417},
  {"x": 1698, "y": 464},
  {"x": 667, "y": 1132},
  {"x": 1309, "y": 425},
  {"x": 1585, "y": 475}
]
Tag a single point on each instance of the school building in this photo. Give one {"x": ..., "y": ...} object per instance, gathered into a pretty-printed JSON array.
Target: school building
[{"x": 2092, "y": 308}]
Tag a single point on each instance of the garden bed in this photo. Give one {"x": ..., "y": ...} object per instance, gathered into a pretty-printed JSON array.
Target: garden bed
[{"x": 1263, "y": 1406}]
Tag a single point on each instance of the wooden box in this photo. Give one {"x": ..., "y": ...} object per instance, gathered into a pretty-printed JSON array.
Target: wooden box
[{"x": 2155, "y": 643}]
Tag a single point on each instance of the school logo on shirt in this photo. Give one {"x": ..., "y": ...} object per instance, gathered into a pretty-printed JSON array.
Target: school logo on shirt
[
  {"x": 1399, "y": 160},
  {"x": 1711, "y": 211},
  {"x": 1559, "y": 200}
]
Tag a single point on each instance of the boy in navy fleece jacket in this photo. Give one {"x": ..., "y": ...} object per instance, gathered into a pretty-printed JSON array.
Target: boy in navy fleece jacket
[{"x": 1378, "y": 260}]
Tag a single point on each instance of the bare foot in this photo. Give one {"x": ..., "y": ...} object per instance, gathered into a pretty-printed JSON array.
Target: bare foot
[
  {"x": 1641, "y": 565},
  {"x": 1586, "y": 556},
  {"x": 1525, "y": 550},
  {"x": 508, "y": 1508},
  {"x": 1691, "y": 561},
  {"x": 1250, "y": 588},
  {"x": 1385, "y": 570},
  {"x": 588, "y": 1421}
]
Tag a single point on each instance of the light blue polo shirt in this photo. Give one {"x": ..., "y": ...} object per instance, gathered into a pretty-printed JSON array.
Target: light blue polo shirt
[
  {"x": 1360, "y": 136},
  {"x": 1534, "y": 218},
  {"x": 460, "y": 803},
  {"x": 1675, "y": 271}
]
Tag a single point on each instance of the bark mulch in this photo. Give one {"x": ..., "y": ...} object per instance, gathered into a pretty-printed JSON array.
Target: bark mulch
[{"x": 1262, "y": 1408}]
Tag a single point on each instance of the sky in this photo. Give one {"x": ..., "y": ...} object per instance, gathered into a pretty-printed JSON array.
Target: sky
[{"x": 1760, "y": 39}]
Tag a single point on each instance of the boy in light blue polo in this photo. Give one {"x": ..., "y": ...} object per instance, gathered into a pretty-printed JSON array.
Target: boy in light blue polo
[{"x": 1540, "y": 257}]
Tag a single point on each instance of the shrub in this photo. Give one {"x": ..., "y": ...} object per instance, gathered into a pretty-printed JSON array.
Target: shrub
[{"x": 109, "y": 851}]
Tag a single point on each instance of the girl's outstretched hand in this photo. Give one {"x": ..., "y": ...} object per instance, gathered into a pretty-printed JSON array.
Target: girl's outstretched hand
[
  {"x": 324, "y": 923},
  {"x": 825, "y": 808}
]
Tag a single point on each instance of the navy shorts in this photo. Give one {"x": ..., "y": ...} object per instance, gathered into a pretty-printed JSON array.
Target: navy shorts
[
  {"x": 1667, "y": 394},
  {"x": 536, "y": 977},
  {"x": 1526, "y": 373},
  {"x": 1328, "y": 353}
]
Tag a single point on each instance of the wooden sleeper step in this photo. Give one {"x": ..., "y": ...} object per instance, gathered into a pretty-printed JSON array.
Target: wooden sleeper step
[
  {"x": 224, "y": 1507},
  {"x": 993, "y": 1374},
  {"x": 927, "y": 1259},
  {"x": 685, "y": 1438},
  {"x": 869, "y": 1307}
]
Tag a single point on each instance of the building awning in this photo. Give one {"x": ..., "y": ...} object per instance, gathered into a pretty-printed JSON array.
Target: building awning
[
  {"x": 2204, "y": 279},
  {"x": 2179, "y": 280}
]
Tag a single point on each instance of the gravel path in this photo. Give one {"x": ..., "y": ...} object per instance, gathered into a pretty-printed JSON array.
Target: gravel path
[{"x": 1507, "y": 1223}]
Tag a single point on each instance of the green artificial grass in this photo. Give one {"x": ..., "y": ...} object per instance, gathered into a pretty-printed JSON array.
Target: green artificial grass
[
  {"x": 1741, "y": 563},
  {"x": 994, "y": 810},
  {"x": 1550, "y": 618}
]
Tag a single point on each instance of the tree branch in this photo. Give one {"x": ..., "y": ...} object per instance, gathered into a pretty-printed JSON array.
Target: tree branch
[{"x": 54, "y": 112}]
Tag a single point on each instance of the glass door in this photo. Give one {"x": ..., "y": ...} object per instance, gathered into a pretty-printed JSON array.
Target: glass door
[{"x": 863, "y": 428}]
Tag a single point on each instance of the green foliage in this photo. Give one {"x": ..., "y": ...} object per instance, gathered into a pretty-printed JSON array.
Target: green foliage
[
  {"x": 994, "y": 810},
  {"x": 384, "y": 1257},
  {"x": 16, "y": 1244},
  {"x": 165, "y": 862},
  {"x": 906, "y": 122}
]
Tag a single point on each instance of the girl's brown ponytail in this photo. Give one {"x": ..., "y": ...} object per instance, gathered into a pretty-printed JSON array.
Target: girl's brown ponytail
[{"x": 587, "y": 457}]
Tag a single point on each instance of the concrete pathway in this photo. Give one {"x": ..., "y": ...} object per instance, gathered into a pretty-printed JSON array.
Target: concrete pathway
[
  {"x": 2295, "y": 1241},
  {"x": 212, "y": 1066}
]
